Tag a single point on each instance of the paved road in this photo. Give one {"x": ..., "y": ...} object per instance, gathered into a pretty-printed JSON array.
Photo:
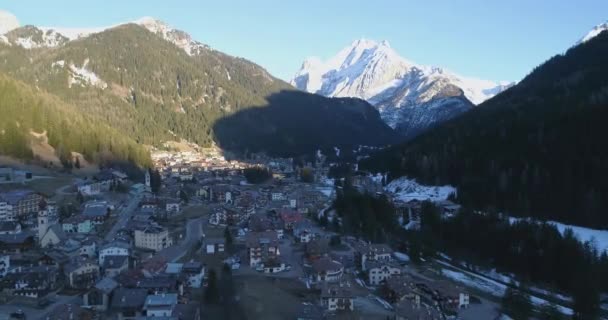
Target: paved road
[
  {"x": 123, "y": 217},
  {"x": 194, "y": 232}
]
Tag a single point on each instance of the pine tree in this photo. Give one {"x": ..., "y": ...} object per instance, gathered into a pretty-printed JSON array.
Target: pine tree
[
  {"x": 228, "y": 237},
  {"x": 211, "y": 295},
  {"x": 516, "y": 303}
]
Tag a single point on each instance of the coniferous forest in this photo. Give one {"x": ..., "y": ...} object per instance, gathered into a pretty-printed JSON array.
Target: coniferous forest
[
  {"x": 538, "y": 149},
  {"x": 29, "y": 117},
  {"x": 153, "y": 91}
]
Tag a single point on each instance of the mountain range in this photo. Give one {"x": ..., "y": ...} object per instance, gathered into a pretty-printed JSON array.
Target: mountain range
[
  {"x": 153, "y": 83},
  {"x": 411, "y": 98}
]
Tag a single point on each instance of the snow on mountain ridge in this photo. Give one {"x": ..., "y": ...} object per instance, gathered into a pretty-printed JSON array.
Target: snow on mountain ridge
[
  {"x": 375, "y": 72},
  {"x": 54, "y": 36},
  {"x": 378, "y": 57},
  {"x": 594, "y": 32}
]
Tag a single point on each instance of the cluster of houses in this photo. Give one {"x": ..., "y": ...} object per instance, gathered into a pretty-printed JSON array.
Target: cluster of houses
[
  {"x": 182, "y": 164},
  {"x": 42, "y": 252},
  {"x": 123, "y": 275}
]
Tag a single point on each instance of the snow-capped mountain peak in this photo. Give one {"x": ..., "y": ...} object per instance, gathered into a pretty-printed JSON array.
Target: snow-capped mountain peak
[
  {"x": 399, "y": 88},
  {"x": 38, "y": 37},
  {"x": 594, "y": 32}
]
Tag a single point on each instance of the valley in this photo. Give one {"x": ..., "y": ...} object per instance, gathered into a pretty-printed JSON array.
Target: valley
[{"x": 145, "y": 174}]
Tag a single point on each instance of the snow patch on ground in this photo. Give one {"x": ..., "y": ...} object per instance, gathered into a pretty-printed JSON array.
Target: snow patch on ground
[
  {"x": 401, "y": 256},
  {"x": 59, "y": 64},
  {"x": 599, "y": 238},
  {"x": 594, "y": 32},
  {"x": 4, "y": 39},
  {"x": 405, "y": 189},
  {"x": 26, "y": 43},
  {"x": 492, "y": 287},
  {"x": 74, "y": 33},
  {"x": 82, "y": 76}
]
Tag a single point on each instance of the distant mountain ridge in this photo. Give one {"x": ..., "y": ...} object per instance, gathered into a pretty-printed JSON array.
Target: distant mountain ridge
[
  {"x": 32, "y": 37},
  {"x": 410, "y": 97}
]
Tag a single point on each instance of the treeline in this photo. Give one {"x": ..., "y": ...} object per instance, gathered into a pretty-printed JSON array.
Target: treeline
[
  {"x": 364, "y": 215},
  {"x": 256, "y": 175},
  {"x": 31, "y": 117},
  {"x": 534, "y": 252},
  {"x": 538, "y": 149}
]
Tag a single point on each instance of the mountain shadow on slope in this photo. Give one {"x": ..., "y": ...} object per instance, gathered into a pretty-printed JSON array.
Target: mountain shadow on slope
[
  {"x": 295, "y": 123},
  {"x": 538, "y": 149}
]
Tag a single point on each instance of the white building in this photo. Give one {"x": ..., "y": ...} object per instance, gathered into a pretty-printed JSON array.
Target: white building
[
  {"x": 5, "y": 263},
  {"x": 6, "y": 211},
  {"x": 378, "y": 272},
  {"x": 277, "y": 196},
  {"x": 152, "y": 237},
  {"x": 337, "y": 298},
  {"x": 172, "y": 207},
  {"x": 113, "y": 249},
  {"x": 327, "y": 270}
]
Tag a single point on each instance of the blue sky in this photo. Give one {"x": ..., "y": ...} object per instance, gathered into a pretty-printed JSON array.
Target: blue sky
[{"x": 495, "y": 40}]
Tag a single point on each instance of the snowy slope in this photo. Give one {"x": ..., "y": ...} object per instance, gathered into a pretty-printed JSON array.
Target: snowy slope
[
  {"x": 409, "y": 96},
  {"x": 594, "y": 32},
  {"x": 597, "y": 237},
  {"x": 405, "y": 189}
]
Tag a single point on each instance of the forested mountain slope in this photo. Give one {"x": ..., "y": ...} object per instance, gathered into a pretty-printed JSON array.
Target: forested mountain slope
[
  {"x": 149, "y": 88},
  {"x": 28, "y": 115},
  {"x": 538, "y": 149}
]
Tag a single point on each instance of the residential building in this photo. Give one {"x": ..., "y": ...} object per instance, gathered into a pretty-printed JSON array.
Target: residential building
[
  {"x": 5, "y": 264},
  {"x": 277, "y": 196},
  {"x": 6, "y": 211},
  {"x": 172, "y": 207},
  {"x": 408, "y": 310},
  {"x": 152, "y": 237},
  {"x": 262, "y": 247},
  {"x": 114, "y": 265},
  {"x": 81, "y": 273},
  {"x": 372, "y": 252},
  {"x": 128, "y": 303},
  {"x": 290, "y": 217},
  {"x": 327, "y": 270},
  {"x": 213, "y": 246},
  {"x": 97, "y": 212},
  {"x": 194, "y": 272},
  {"x": 98, "y": 298},
  {"x": 78, "y": 224},
  {"x": 400, "y": 287},
  {"x": 10, "y": 227},
  {"x": 16, "y": 243},
  {"x": 335, "y": 297},
  {"x": 21, "y": 202},
  {"x": 377, "y": 272},
  {"x": 160, "y": 305},
  {"x": 115, "y": 248}
]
